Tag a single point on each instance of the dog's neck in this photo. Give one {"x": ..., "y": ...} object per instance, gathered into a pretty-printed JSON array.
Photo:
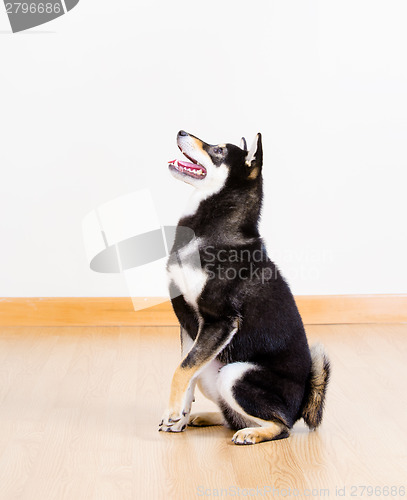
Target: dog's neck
[{"x": 229, "y": 215}]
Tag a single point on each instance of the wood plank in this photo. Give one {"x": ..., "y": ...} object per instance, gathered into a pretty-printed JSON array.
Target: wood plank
[
  {"x": 335, "y": 309},
  {"x": 84, "y": 311},
  {"x": 119, "y": 311},
  {"x": 80, "y": 411}
]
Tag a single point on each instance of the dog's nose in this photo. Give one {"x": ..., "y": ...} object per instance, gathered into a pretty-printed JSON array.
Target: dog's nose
[{"x": 182, "y": 133}]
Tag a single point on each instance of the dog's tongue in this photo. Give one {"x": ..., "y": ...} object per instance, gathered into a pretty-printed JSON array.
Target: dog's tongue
[
  {"x": 185, "y": 164},
  {"x": 189, "y": 168}
]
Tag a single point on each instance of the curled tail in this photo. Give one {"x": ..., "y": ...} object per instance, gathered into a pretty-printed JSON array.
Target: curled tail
[{"x": 318, "y": 383}]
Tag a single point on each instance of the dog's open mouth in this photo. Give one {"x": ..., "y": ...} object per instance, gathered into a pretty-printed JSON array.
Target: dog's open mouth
[{"x": 192, "y": 168}]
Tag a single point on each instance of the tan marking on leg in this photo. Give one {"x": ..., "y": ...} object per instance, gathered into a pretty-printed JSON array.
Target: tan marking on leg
[
  {"x": 176, "y": 417},
  {"x": 180, "y": 382},
  {"x": 253, "y": 435},
  {"x": 206, "y": 419}
]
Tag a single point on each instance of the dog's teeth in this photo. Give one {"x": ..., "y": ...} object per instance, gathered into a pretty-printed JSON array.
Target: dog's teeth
[{"x": 199, "y": 172}]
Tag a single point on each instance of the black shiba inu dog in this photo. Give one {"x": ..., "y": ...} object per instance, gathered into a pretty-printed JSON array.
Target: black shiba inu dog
[{"x": 243, "y": 340}]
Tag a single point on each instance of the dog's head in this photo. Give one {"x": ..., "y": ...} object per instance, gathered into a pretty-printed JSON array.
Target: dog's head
[{"x": 211, "y": 166}]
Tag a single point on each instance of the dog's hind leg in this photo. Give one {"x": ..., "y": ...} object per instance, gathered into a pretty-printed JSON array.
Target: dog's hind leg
[
  {"x": 206, "y": 419},
  {"x": 250, "y": 409},
  {"x": 207, "y": 384}
]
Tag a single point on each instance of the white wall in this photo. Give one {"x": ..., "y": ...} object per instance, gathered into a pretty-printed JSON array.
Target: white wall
[{"x": 91, "y": 103}]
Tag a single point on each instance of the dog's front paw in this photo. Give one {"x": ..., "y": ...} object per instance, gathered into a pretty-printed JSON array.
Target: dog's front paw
[{"x": 174, "y": 421}]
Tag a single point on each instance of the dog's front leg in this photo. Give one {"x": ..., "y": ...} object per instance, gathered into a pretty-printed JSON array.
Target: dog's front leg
[{"x": 210, "y": 341}]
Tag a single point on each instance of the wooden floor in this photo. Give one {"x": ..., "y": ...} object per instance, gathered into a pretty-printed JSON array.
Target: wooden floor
[{"x": 80, "y": 407}]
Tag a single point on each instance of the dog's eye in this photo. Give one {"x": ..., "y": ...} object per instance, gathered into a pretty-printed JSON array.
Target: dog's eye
[{"x": 218, "y": 151}]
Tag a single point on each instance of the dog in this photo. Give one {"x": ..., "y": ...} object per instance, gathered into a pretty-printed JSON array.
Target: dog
[{"x": 242, "y": 337}]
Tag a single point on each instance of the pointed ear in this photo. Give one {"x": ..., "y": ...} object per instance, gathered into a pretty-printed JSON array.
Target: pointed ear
[
  {"x": 254, "y": 157},
  {"x": 243, "y": 144}
]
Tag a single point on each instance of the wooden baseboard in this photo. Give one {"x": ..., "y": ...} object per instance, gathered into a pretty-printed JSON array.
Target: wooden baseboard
[{"x": 119, "y": 311}]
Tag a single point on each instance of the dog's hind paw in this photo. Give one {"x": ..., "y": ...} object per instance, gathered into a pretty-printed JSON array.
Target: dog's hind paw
[
  {"x": 253, "y": 435},
  {"x": 206, "y": 419},
  {"x": 246, "y": 436}
]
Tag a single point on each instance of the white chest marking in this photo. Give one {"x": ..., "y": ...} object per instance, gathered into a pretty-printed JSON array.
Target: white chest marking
[{"x": 187, "y": 273}]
